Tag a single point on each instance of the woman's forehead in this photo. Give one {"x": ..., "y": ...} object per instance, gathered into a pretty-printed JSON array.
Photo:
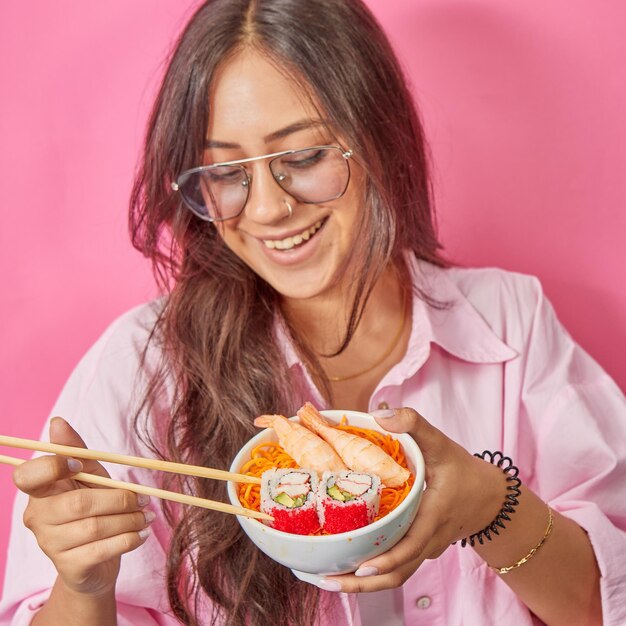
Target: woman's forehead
[{"x": 251, "y": 99}]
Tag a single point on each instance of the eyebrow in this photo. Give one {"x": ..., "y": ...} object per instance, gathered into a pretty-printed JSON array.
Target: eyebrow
[{"x": 277, "y": 134}]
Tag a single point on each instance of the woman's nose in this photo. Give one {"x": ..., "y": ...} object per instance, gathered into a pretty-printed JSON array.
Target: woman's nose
[{"x": 267, "y": 202}]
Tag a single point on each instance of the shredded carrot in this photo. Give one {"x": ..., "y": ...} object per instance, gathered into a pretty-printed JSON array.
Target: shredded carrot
[{"x": 270, "y": 455}]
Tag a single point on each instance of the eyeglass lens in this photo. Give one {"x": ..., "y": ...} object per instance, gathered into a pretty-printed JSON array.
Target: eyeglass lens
[{"x": 310, "y": 176}]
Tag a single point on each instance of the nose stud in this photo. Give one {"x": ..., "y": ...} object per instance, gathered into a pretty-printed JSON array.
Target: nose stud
[{"x": 289, "y": 208}]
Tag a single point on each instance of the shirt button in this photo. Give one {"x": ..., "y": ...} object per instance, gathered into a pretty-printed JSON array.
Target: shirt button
[
  {"x": 423, "y": 602},
  {"x": 383, "y": 405}
]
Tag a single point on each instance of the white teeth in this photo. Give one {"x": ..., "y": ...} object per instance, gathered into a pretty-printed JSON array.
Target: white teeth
[
  {"x": 290, "y": 242},
  {"x": 285, "y": 244}
]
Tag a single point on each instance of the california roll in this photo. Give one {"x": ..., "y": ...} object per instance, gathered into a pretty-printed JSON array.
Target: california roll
[
  {"x": 289, "y": 496},
  {"x": 348, "y": 500}
]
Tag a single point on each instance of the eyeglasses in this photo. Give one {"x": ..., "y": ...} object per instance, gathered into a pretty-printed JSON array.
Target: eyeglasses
[{"x": 220, "y": 191}]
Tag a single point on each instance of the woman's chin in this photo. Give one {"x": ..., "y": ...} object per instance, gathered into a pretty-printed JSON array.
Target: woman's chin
[
  {"x": 301, "y": 290},
  {"x": 301, "y": 283}
]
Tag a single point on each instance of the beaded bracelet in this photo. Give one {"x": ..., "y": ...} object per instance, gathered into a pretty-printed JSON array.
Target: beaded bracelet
[{"x": 510, "y": 502}]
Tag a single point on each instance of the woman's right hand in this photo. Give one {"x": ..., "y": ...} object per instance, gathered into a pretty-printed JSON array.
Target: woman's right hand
[{"x": 83, "y": 530}]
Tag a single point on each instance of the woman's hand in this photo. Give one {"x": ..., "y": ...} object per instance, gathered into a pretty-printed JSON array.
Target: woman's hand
[
  {"x": 84, "y": 531},
  {"x": 463, "y": 495}
]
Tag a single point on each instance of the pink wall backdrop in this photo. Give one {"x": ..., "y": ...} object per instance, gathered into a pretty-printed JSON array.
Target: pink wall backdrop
[{"x": 523, "y": 103}]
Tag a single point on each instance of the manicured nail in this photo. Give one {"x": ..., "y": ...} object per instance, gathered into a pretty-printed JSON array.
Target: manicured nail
[
  {"x": 383, "y": 413},
  {"x": 149, "y": 515},
  {"x": 368, "y": 570},
  {"x": 142, "y": 499},
  {"x": 329, "y": 585},
  {"x": 144, "y": 533},
  {"x": 74, "y": 465}
]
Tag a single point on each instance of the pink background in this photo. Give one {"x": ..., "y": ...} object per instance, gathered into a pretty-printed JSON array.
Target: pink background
[{"x": 523, "y": 103}]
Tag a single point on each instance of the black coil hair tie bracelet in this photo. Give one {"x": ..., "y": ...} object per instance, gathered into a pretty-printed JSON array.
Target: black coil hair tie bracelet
[{"x": 510, "y": 502}]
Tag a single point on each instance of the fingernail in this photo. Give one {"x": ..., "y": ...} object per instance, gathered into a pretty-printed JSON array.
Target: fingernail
[
  {"x": 368, "y": 570},
  {"x": 329, "y": 585},
  {"x": 149, "y": 515},
  {"x": 142, "y": 499},
  {"x": 74, "y": 465},
  {"x": 384, "y": 413},
  {"x": 144, "y": 533}
]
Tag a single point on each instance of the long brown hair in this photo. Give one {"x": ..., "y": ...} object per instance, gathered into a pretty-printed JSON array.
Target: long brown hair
[{"x": 221, "y": 363}]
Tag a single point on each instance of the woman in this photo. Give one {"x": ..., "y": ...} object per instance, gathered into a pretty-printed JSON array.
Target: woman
[{"x": 284, "y": 200}]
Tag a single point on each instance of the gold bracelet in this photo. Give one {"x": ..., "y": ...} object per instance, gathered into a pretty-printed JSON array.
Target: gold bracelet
[{"x": 524, "y": 559}]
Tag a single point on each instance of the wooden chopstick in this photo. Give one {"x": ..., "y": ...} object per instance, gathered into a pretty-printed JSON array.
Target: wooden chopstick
[
  {"x": 123, "y": 459},
  {"x": 153, "y": 491}
]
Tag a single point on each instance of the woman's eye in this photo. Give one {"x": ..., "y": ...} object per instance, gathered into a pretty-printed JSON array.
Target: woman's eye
[
  {"x": 306, "y": 159},
  {"x": 224, "y": 176}
]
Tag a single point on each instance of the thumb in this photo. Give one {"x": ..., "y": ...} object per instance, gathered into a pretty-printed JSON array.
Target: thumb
[
  {"x": 63, "y": 434},
  {"x": 408, "y": 420}
]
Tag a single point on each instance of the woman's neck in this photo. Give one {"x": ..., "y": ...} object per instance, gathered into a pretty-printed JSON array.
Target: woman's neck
[{"x": 323, "y": 322}]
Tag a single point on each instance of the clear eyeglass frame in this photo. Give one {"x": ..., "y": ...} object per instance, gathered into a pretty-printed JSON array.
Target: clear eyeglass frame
[{"x": 193, "y": 185}]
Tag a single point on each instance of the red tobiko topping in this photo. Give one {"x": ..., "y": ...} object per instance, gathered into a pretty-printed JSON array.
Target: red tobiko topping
[
  {"x": 298, "y": 521},
  {"x": 341, "y": 519}
]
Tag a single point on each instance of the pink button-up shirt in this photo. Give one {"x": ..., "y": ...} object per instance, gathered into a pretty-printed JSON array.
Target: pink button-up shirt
[{"x": 493, "y": 370}]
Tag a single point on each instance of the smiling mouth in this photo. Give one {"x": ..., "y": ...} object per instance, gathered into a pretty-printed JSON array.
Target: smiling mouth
[{"x": 291, "y": 242}]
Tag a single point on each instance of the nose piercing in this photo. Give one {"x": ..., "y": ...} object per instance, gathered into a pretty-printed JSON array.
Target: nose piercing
[{"x": 289, "y": 208}]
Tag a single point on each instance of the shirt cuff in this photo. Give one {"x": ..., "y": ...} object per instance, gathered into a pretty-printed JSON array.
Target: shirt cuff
[
  {"x": 127, "y": 615},
  {"x": 609, "y": 546},
  {"x": 27, "y": 609}
]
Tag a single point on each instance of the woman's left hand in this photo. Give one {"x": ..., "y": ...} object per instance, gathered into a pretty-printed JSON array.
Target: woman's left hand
[{"x": 463, "y": 495}]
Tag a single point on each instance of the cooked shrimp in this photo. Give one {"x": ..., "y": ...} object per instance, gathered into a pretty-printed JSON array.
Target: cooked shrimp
[
  {"x": 357, "y": 453},
  {"x": 304, "y": 446}
]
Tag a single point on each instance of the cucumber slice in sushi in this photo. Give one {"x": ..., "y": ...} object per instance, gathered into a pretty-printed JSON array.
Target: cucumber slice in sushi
[
  {"x": 348, "y": 500},
  {"x": 289, "y": 496}
]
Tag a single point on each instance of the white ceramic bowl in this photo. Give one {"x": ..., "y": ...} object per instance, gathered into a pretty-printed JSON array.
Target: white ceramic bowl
[{"x": 313, "y": 556}]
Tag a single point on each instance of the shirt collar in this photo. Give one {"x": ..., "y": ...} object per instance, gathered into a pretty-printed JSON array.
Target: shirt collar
[
  {"x": 455, "y": 325},
  {"x": 452, "y": 323},
  {"x": 283, "y": 337},
  {"x": 284, "y": 340}
]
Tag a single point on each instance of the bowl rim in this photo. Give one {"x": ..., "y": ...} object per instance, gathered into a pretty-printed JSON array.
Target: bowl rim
[{"x": 335, "y": 414}]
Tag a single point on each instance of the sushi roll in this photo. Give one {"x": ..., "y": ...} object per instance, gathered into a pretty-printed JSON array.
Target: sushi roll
[
  {"x": 289, "y": 496},
  {"x": 348, "y": 500}
]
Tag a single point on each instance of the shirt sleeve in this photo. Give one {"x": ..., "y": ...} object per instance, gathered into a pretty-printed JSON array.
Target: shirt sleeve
[
  {"x": 577, "y": 417},
  {"x": 98, "y": 401}
]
